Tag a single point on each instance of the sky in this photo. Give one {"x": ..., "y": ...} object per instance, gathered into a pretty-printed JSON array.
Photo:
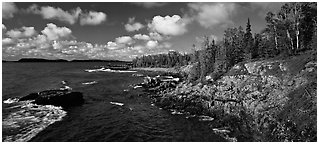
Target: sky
[{"x": 119, "y": 30}]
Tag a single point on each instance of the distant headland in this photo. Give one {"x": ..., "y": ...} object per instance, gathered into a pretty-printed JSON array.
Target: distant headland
[{"x": 60, "y": 60}]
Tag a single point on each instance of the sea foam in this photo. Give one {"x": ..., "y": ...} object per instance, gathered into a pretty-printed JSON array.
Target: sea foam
[
  {"x": 108, "y": 70},
  {"x": 29, "y": 120}
]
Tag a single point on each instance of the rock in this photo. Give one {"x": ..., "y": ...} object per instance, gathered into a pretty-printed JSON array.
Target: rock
[
  {"x": 164, "y": 102},
  {"x": 62, "y": 98},
  {"x": 31, "y": 96}
]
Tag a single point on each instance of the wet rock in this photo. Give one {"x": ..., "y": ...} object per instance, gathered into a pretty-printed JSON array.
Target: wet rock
[
  {"x": 62, "y": 98},
  {"x": 31, "y": 96}
]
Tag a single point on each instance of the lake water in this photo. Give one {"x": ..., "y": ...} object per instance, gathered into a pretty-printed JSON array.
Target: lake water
[{"x": 113, "y": 110}]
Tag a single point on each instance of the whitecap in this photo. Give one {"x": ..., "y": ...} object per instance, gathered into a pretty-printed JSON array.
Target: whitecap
[
  {"x": 94, "y": 70},
  {"x": 65, "y": 88},
  {"x": 89, "y": 83},
  {"x": 175, "y": 112},
  {"x": 190, "y": 116},
  {"x": 11, "y": 100},
  {"x": 135, "y": 87},
  {"x": 117, "y": 103},
  {"x": 205, "y": 118},
  {"x": 108, "y": 70}
]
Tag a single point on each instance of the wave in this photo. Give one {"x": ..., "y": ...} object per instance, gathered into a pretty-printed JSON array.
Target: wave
[
  {"x": 205, "y": 118},
  {"x": 28, "y": 120},
  {"x": 108, "y": 70},
  {"x": 117, "y": 103},
  {"x": 11, "y": 100},
  {"x": 175, "y": 112},
  {"x": 89, "y": 83}
]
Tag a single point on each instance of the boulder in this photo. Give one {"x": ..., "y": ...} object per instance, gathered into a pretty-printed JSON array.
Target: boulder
[{"x": 62, "y": 98}]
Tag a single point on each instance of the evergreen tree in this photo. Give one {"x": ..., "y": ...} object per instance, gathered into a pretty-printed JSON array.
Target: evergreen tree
[{"x": 248, "y": 43}]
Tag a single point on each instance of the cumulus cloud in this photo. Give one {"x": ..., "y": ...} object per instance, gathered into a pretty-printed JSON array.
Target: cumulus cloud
[
  {"x": 92, "y": 18},
  {"x": 61, "y": 49},
  {"x": 50, "y": 43},
  {"x": 21, "y": 33},
  {"x": 48, "y": 12},
  {"x": 150, "y": 4},
  {"x": 168, "y": 25},
  {"x": 141, "y": 37},
  {"x": 54, "y": 33},
  {"x": 70, "y": 17},
  {"x": 112, "y": 45},
  {"x": 4, "y": 27},
  {"x": 156, "y": 36},
  {"x": 7, "y": 41},
  {"x": 132, "y": 25},
  {"x": 138, "y": 48},
  {"x": 212, "y": 14},
  {"x": 8, "y": 10},
  {"x": 124, "y": 40},
  {"x": 152, "y": 44}
]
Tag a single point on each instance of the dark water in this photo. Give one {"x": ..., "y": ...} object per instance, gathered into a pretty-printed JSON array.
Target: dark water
[{"x": 97, "y": 120}]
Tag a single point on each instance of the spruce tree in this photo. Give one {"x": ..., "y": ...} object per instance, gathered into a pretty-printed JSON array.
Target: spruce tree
[{"x": 248, "y": 43}]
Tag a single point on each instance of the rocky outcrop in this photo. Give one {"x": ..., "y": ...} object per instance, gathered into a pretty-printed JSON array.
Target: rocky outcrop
[
  {"x": 160, "y": 82},
  {"x": 62, "y": 98},
  {"x": 269, "y": 100}
]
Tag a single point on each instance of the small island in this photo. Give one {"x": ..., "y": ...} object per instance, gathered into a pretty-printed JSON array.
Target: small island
[{"x": 40, "y": 60}]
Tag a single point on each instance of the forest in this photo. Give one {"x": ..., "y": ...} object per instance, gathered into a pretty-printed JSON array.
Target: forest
[{"x": 288, "y": 32}]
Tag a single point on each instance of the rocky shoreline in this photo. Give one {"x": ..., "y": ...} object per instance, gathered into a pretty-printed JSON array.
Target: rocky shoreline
[{"x": 268, "y": 100}]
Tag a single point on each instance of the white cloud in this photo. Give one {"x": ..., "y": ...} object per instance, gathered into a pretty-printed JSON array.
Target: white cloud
[
  {"x": 50, "y": 44},
  {"x": 152, "y": 44},
  {"x": 124, "y": 40},
  {"x": 8, "y": 10},
  {"x": 70, "y": 17},
  {"x": 213, "y": 14},
  {"x": 52, "y": 32},
  {"x": 48, "y": 12},
  {"x": 138, "y": 48},
  {"x": 22, "y": 32},
  {"x": 133, "y": 26},
  {"x": 3, "y": 27},
  {"x": 112, "y": 45},
  {"x": 168, "y": 25},
  {"x": 141, "y": 37},
  {"x": 150, "y": 4},
  {"x": 92, "y": 18},
  {"x": 156, "y": 36},
  {"x": 7, "y": 41}
]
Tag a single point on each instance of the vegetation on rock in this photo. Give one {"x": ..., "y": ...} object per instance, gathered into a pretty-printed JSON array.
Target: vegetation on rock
[{"x": 258, "y": 88}]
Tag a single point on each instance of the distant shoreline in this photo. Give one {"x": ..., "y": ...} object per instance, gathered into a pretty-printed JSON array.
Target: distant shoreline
[
  {"x": 61, "y": 60},
  {"x": 170, "y": 70}
]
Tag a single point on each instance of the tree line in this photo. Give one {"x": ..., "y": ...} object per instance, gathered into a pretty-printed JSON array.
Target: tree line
[{"x": 288, "y": 32}]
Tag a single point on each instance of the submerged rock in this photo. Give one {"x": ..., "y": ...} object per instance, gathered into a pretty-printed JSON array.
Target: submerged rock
[{"x": 62, "y": 98}]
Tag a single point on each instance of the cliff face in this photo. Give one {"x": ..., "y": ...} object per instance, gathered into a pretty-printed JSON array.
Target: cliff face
[{"x": 268, "y": 100}]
